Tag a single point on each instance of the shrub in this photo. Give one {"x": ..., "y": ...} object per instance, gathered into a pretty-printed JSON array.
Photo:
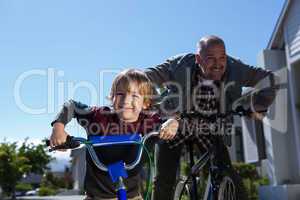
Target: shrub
[
  {"x": 23, "y": 187},
  {"x": 251, "y": 178},
  {"x": 45, "y": 191}
]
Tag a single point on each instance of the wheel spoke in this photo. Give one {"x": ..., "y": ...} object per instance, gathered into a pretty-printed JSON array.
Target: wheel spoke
[{"x": 227, "y": 189}]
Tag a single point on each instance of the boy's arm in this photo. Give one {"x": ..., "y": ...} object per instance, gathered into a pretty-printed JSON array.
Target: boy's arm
[{"x": 71, "y": 109}]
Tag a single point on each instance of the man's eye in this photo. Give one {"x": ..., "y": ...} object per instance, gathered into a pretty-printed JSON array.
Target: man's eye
[{"x": 210, "y": 59}]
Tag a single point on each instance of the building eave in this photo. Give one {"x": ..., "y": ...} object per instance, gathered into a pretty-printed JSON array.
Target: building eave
[{"x": 276, "y": 37}]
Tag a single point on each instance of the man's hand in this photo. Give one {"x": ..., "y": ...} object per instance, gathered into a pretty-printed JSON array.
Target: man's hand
[
  {"x": 168, "y": 129},
  {"x": 257, "y": 116},
  {"x": 58, "y": 135}
]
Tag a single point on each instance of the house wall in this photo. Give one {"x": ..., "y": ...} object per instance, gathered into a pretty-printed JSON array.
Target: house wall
[
  {"x": 278, "y": 126},
  {"x": 292, "y": 30}
]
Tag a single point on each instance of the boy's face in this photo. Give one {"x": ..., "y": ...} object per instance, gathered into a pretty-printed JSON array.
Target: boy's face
[{"x": 128, "y": 103}]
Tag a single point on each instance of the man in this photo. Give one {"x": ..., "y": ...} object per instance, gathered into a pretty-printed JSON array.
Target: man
[{"x": 198, "y": 82}]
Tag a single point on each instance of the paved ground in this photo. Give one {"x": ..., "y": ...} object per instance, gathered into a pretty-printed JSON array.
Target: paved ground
[{"x": 75, "y": 197}]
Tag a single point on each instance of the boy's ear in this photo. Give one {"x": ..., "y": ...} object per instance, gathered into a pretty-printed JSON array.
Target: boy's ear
[{"x": 146, "y": 105}]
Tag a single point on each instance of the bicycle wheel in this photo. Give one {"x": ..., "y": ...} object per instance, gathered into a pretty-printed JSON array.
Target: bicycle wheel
[
  {"x": 227, "y": 189},
  {"x": 182, "y": 191}
]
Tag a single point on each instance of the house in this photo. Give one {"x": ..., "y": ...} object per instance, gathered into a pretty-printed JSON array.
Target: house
[{"x": 281, "y": 144}]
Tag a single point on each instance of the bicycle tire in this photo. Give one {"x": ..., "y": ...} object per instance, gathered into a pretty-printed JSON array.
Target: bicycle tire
[
  {"x": 182, "y": 189},
  {"x": 227, "y": 189},
  {"x": 239, "y": 187}
]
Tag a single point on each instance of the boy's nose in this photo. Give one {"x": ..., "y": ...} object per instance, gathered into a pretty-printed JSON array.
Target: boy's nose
[{"x": 127, "y": 99}]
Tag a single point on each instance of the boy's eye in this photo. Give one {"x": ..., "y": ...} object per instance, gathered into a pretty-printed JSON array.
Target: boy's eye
[
  {"x": 136, "y": 96},
  {"x": 120, "y": 93}
]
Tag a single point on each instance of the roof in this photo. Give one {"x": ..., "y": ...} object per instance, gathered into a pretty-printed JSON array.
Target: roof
[{"x": 276, "y": 39}]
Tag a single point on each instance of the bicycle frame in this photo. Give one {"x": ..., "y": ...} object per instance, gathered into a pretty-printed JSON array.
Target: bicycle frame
[
  {"x": 195, "y": 169},
  {"x": 212, "y": 183},
  {"x": 118, "y": 170}
]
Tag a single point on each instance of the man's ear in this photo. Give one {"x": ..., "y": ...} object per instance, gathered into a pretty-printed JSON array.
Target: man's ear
[{"x": 198, "y": 59}]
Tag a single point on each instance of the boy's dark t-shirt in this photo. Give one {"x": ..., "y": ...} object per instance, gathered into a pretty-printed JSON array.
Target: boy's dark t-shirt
[{"x": 104, "y": 121}]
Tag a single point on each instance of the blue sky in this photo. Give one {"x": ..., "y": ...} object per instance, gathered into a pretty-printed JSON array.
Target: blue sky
[{"x": 79, "y": 39}]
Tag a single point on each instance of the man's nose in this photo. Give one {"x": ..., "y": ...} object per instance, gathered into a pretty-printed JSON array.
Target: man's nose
[{"x": 215, "y": 62}]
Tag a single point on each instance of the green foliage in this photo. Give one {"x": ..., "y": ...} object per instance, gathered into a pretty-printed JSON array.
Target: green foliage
[
  {"x": 251, "y": 179},
  {"x": 14, "y": 163},
  {"x": 23, "y": 187},
  {"x": 45, "y": 191},
  {"x": 246, "y": 171},
  {"x": 36, "y": 155},
  {"x": 12, "y": 167},
  {"x": 184, "y": 168}
]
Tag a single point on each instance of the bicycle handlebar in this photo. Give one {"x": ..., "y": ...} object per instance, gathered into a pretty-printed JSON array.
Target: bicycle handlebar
[
  {"x": 239, "y": 111},
  {"x": 74, "y": 142}
]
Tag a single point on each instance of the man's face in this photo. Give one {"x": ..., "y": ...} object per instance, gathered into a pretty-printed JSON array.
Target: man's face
[
  {"x": 212, "y": 62},
  {"x": 128, "y": 103}
]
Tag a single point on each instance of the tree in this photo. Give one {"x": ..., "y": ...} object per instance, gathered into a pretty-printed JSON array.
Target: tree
[
  {"x": 36, "y": 156},
  {"x": 12, "y": 167},
  {"x": 15, "y": 163}
]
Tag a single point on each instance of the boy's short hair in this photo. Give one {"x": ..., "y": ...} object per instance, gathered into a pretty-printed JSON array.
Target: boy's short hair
[{"x": 123, "y": 79}]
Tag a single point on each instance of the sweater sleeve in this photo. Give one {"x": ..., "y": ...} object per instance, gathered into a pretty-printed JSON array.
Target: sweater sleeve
[{"x": 72, "y": 109}]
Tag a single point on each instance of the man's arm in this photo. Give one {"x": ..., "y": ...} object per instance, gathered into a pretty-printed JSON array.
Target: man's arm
[
  {"x": 264, "y": 82},
  {"x": 161, "y": 73}
]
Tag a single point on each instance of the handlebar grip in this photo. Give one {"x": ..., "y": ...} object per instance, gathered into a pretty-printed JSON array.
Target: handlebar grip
[
  {"x": 69, "y": 144},
  {"x": 248, "y": 112},
  {"x": 47, "y": 143}
]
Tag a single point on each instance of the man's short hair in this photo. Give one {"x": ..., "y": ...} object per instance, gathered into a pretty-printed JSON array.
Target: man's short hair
[{"x": 208, "y": 41}]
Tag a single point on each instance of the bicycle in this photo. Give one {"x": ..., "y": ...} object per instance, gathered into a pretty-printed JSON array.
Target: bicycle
[
  {"x": 117, "y": 170},
  {"x": 221, "y": 180}
]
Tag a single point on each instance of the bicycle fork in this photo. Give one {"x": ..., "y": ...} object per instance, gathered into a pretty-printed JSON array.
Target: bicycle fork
[
  {"x": 117, "y": 174},
  {"x": 121, "y": 190}
]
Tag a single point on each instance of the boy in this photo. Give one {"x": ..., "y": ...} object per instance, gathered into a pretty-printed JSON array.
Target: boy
[{"x": 130, "y": 96}]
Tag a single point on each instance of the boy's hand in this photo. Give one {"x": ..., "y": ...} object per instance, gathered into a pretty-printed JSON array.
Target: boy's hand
[
  {"x": 58, "y": 135},
  {"x": 168, "y": 129}
]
